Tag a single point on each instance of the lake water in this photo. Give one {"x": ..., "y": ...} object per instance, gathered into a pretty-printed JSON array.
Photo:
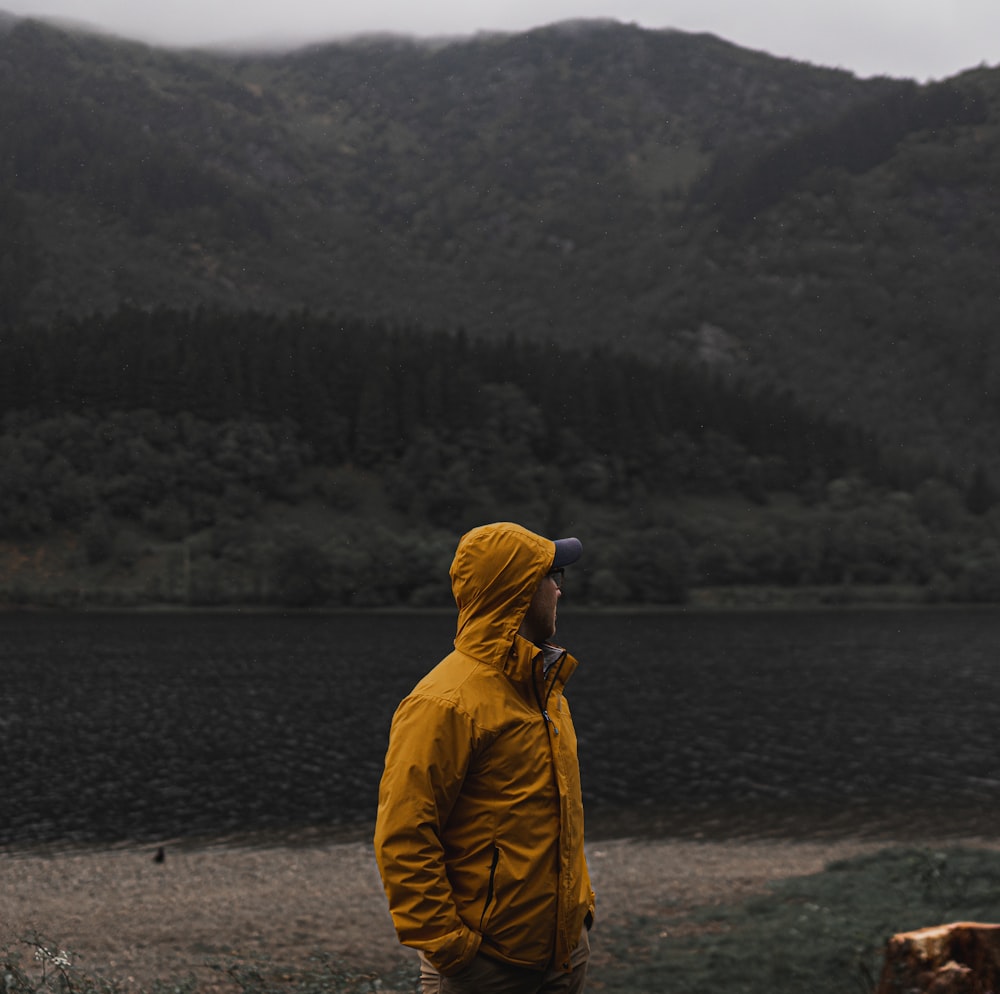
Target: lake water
[{"x": 154, "y": 727}]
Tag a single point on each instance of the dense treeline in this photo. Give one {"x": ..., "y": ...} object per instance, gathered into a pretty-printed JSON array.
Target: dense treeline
[
  {"x": 244, "y": 458},
  {"x": 370, "y": 395}
]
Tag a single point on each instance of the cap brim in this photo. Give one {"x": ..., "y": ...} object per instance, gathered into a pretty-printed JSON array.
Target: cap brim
[{"x": 568, "y": 551}]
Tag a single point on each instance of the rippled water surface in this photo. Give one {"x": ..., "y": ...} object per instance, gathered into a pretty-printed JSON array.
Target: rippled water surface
[{"x": 148, "y": 727}]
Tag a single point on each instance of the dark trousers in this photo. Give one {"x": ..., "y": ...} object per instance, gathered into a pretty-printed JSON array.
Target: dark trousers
[{"x": 489, "y": 976}]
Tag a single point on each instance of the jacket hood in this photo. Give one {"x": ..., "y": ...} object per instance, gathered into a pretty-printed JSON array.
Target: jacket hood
[{"x": 494, "y": 575}]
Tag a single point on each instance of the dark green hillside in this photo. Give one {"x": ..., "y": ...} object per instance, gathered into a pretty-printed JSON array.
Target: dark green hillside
[
  {"x": 792, "y": 234},
  {"x": 878, "y": 287},
  {"x": 496, "y": 183},
  {"x": 750, "y": 179},
  {"x": 665, "y": 193}
]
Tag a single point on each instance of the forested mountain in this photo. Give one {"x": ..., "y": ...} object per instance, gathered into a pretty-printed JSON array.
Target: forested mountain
[{"x": 764, "y": 281}]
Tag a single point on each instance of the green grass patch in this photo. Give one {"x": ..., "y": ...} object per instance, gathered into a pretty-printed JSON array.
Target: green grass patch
[{"x": 822, "y": 934}]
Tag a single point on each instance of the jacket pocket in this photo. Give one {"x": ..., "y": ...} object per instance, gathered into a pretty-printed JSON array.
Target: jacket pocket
[{"x": 491, "y": 891}]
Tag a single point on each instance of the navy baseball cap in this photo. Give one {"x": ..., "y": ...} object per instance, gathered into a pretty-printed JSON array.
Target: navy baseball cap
[{"x": 568, "y": 551}]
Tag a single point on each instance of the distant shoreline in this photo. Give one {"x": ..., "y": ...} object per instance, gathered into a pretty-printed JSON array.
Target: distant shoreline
[
  {"x": 723, "y": 824},
  {"x": 701, "y": 600}
]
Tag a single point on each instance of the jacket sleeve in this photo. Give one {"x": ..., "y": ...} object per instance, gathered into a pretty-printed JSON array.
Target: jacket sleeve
[{"x": 430, "y": 747}]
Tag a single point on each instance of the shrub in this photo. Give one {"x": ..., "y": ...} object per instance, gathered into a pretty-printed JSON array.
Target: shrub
[{"x": 50, "y": 970}]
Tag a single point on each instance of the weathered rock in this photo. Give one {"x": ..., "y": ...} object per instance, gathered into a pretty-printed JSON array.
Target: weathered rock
[{"x": 960, "y": 958}]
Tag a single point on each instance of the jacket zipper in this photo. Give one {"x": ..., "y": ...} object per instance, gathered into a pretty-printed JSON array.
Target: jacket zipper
[{"x": 548, "y": 685}]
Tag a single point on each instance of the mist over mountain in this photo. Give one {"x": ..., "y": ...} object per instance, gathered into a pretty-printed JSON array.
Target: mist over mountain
[{"x": 587, "y": 185}]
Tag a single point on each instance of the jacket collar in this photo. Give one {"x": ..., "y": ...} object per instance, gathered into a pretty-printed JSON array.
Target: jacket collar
[{"x": 527, "y": 662}]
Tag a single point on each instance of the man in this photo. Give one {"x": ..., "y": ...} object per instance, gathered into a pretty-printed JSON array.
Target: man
[{"x": 479, "y": 835}]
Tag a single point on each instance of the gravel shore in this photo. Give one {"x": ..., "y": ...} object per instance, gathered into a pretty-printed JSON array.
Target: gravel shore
[{"x": 126, "y": 916}]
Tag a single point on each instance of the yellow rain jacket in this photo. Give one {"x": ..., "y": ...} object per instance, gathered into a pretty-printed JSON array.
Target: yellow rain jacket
[{"x": 479, "y": 835}]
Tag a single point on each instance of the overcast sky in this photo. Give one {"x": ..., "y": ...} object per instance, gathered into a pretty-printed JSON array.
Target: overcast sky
[{"x": 918, "y": 39}]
